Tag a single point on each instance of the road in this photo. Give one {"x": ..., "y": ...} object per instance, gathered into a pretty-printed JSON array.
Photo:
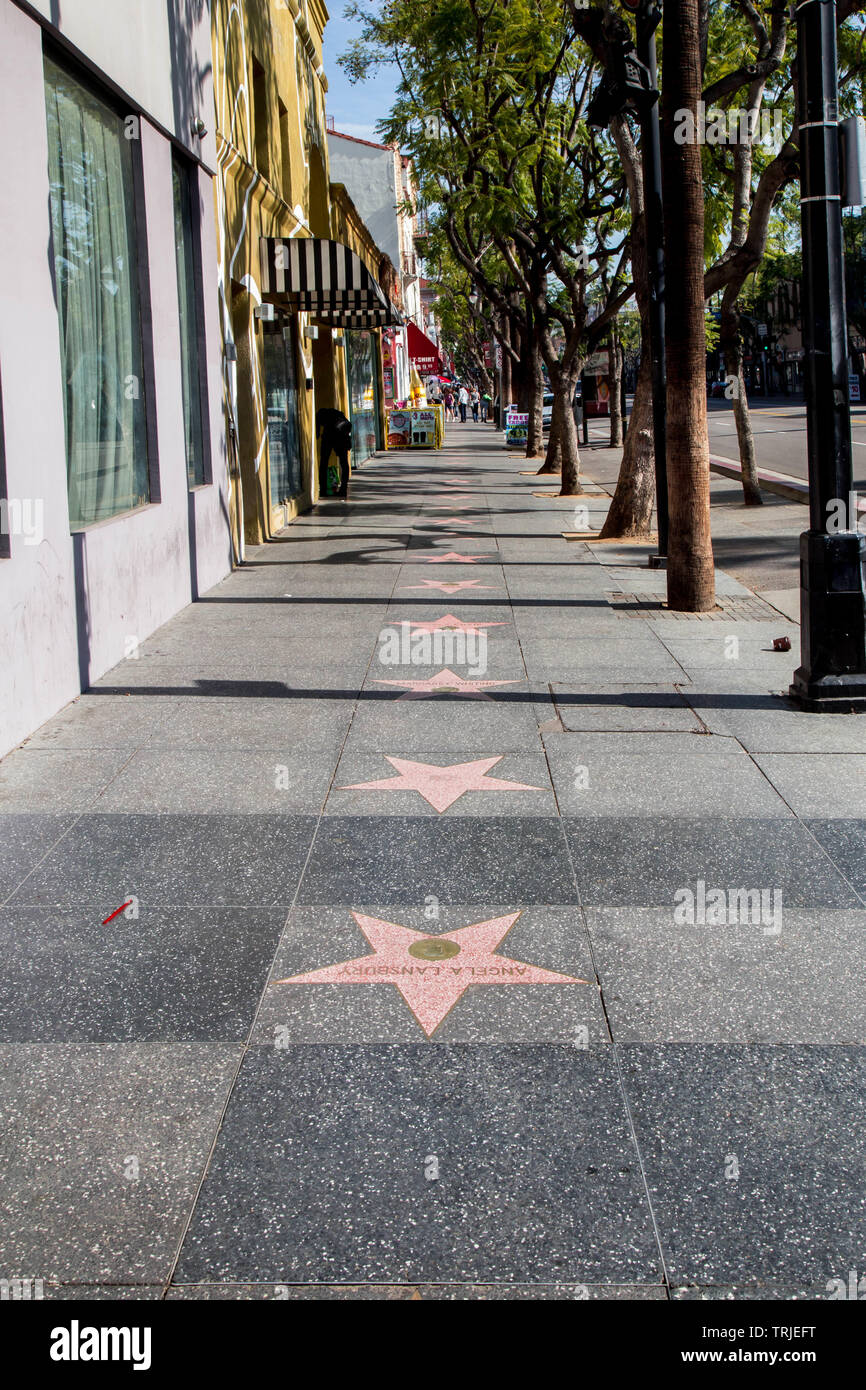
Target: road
[{"x": 779, "y": 426}]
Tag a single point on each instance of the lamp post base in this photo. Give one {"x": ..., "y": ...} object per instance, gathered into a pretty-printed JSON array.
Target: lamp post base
[{"x": 832, "y": 677}]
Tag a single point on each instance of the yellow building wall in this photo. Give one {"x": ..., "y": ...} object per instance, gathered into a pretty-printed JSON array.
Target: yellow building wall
[{"x": 272, "y": 180}]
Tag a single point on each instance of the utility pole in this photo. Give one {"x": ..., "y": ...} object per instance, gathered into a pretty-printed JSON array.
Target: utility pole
[
  {"x": 648, "y": 15},
  {"x": 832, "y": 673}
]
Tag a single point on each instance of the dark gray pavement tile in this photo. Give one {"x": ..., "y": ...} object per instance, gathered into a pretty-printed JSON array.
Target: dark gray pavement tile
[
  {"x": 319, "y": 1171},
  {"x": 171, "y": 974},
  {"x": 84, "y": 1293},
  {"x": 403, "y": 859},
  {"x": 76, "y": 1124},
  {"x": 803, "y": 985},
  {"x": 374, "y": 1011},
  {"x": 55, "y": 780},
  {"x": 844, "y": 841},
  {"x": 247, "y": 860},
  {"x": 24, "y": 839},
  {"x": 791, "y": 1121},
  {"x": 279, "y": 781},
  {"x": 748, "y": 1293},
  {"x": 643, "y": 861},
  {"x": 817, "y": 784},
  {"x": 397, "y": 1293}
]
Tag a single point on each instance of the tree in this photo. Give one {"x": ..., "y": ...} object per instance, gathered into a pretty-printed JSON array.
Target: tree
[{"x": 691, "y": 584}]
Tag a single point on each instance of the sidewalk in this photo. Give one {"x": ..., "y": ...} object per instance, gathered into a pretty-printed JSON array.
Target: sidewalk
[{"x": 285, "y": 1070}]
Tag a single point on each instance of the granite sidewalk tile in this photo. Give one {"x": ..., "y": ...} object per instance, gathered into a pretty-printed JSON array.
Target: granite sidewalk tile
[
  {"x": 101, "y": 1152},
  {"x": 754, "y": 1158},
  {"x": 168, "y": 974},
  {"x": 535, "y": 1175}
]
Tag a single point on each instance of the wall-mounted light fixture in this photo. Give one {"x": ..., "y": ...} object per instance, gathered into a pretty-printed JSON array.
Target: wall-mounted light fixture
[{"x": 198, "y": 127}]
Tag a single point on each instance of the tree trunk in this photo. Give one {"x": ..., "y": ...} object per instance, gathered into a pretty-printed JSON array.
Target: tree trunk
[
  {"x": 535, "y": 432},
  {"x": 691, "y": 580},
  {"x": 563, "y": 416},
  {"x": 729, "y": 341},
  {"x": 553, "y": 457},
  {"x": 614, "y": 380},
  {"x": 630, "y": 512}
]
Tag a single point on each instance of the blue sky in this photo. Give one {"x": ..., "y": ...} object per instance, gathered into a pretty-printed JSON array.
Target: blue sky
[{"x": 355, "y": 109}]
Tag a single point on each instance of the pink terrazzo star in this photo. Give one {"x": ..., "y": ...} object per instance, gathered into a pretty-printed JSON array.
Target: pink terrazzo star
[
  {"x": 449, "y": 623},
  {"x": 444, "y": 682},
  {"x": 445, "y": 586},
  {"x": 431, "y": 984},
  {"x": 441, "y": 786},
  {"x": 454, "y": 521},
  {"x": 452, "y": 558},
  {"x": 458, "y": 482}
]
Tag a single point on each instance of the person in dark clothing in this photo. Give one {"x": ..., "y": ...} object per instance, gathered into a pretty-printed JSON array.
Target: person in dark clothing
[{"x": 336, "y": 438}]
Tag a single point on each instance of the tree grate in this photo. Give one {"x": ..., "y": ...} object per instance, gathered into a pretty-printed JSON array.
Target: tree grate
[{"x": 655, "y": 606}]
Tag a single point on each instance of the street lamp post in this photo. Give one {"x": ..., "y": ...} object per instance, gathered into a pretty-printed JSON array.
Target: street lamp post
[{"x": 832, "y": 673}]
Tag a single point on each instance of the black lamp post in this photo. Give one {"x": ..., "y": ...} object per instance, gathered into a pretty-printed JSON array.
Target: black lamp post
[{"x": 832, "y": 674}]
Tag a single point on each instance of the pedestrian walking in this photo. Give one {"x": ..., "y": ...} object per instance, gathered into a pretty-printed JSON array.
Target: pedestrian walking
[
  {"x": 449, "y": 407},
  {"x": 463, "y": 401},
  {"x": 475, "y": 401},
  {"x": 485, "y": 408}
]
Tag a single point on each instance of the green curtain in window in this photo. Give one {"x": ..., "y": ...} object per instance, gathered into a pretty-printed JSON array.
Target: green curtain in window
[
  {"x": 187, "y": 293},
  {"x": 97, "y": 290}
]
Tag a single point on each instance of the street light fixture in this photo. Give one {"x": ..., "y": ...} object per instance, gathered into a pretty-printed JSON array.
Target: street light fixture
[{"x": 832, "y": 673}]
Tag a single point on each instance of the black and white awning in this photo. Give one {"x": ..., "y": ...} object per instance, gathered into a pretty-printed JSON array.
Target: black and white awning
[{"x": 326, "y": 280}]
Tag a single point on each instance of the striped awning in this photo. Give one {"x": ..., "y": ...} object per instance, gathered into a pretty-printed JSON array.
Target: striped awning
[{"x": 326, "y": 280}]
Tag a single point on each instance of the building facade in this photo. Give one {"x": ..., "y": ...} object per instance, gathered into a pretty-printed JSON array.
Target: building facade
[
  {"x": 283, "y": 363},
  {"x": 114, "y": 496},
  {"x": 381, "y": 182}
]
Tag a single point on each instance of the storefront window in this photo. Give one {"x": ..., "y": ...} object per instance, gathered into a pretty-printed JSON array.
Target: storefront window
[
  {"x": 97, "y": 290},
  {"x": 362, "y": 368},
  {"x": 187, "y": 297},
  {"x": 281, "y": 393}
]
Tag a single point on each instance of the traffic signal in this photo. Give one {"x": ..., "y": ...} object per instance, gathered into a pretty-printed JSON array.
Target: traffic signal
[{"x": 625, "y": 86}]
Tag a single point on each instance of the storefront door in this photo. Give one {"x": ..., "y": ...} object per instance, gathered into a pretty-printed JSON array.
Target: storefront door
[
  {"x": 284, "y": 448},
  {"x": 362, "y": 369}
]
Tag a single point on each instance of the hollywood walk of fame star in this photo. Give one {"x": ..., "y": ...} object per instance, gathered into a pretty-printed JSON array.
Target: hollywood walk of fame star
[
  {"x": 458, "y": 482},
  {"x": 452, "y": 558},
  {"x": 445, "y": 586},
  {"x": 445, "y": 682},
  {"x": 449, "y": 623},
  {"x": 433, "y": 972},
  {"x": 454, "y": 521},
  {"x": 441, "y": 786}
]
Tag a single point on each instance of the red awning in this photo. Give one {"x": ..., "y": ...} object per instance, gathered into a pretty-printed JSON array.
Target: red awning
[{"x": 422, "y": 351}]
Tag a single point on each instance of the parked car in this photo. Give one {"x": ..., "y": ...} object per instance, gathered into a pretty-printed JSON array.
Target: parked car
[
  {"x": 717, "y": 388},
  {"x": 547, "y": 406}
]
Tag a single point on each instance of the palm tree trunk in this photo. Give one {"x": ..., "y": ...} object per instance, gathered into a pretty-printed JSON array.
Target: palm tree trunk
[{"x": 691, "y": 580}]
